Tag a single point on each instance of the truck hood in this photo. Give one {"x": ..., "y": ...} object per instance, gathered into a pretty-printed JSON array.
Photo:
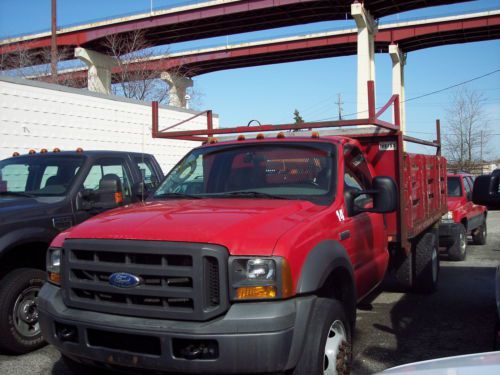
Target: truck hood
[{"x": 244, "y": 226}]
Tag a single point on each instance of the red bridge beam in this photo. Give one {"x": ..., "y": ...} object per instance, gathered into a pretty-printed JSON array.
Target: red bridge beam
[
  {"x": 212, "y": 19},
  {"x": 409, "y": 37}
]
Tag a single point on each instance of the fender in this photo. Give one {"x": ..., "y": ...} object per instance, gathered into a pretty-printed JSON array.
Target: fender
[
  {"x": 25, "y": 235},
  {"x": 324, "y": 258}
]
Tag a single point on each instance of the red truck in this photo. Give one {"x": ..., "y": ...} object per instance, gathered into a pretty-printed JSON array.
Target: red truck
[
  {"x": 251, "y": 256},
  {"x": 463, "y": 217}
]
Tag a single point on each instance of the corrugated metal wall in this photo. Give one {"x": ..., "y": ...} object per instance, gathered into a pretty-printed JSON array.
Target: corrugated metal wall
[{"x": 36, "y": 115}]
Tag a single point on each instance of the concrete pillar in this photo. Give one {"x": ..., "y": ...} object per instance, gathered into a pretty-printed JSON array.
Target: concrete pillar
[
  {"x": 367, "y": 28},
  {"x": 398, "y": 80},
  {"x": 177, "y": 88},
  {"x": 99, "y": 69}
]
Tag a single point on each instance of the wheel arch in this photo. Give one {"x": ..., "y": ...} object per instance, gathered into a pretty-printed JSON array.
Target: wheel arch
[{"x": 327, "y": 272}]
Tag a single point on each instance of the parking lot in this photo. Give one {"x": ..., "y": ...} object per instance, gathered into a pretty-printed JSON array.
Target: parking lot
[{"x": 394, "y": 328}]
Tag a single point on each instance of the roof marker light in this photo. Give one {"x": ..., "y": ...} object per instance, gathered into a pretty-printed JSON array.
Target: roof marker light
[
  {"x": 14, "y": 154},
  {"x": 31, "y": 152},
  {"x": 212, "y": 140},
  {"x": 79, "y": 149},
  {"x": 43, "y": 151},
  {"x": 241, "y": 137},
  {"x": 260, "y": 136},
  {"x": 280, "y": 135},
  {"x": 315, "y": 135},
  {"x": 56, "y": 149}
]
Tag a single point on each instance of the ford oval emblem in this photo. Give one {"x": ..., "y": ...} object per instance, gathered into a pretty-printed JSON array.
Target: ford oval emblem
[{"x": 124, "y": 280}]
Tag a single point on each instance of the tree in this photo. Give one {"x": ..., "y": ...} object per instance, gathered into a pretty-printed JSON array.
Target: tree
[
  {"x": 467, "y": 132},
  {"x": 297, "y": 118}
]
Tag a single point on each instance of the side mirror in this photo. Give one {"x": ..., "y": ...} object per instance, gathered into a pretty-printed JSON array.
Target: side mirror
[
  {"x": 486, "y": 190},
  {"x": 140, "y": 190},
  {"x": 384, "y": 194},
  {"x": 108, "y": 195}
]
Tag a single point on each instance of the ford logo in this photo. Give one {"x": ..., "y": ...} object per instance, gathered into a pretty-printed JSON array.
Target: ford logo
[{"x": 124, "y": 280}]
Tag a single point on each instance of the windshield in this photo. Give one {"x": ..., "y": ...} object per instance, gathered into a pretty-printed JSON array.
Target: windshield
[
  {"x": 454, "y": 188},
  {"x": 292, "y": 170},
  {"x": 38, "y": 176}
]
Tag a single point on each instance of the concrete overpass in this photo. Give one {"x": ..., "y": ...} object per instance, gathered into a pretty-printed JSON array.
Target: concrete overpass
[{"x": 210, "y": 19}]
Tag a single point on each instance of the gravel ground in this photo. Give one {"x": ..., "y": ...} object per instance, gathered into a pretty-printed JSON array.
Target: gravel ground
[{"x": 395, "y": 328}]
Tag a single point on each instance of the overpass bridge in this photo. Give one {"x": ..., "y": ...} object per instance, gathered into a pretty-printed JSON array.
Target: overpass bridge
[{"x": 209, "y": 19}]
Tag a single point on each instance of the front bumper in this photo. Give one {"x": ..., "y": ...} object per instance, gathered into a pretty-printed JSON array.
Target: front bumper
[
  {"x": 448, "y": 232},
  {"x": 250, "y": 337}
]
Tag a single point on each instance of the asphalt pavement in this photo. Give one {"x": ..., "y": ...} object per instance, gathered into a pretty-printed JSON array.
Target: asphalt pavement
[{"x": 394, "y": 328}]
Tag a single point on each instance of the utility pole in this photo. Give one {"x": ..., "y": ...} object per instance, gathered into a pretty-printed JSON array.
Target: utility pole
[
  {"x": 53, "y": 43},
  {"x": 339, "y": 105}
]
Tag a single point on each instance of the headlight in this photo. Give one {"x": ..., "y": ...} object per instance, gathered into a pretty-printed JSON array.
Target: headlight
[
  {"x": 259, "y": 278},
  {"x": 447, "y": 217},
  {"x": 54, "y": 266}
]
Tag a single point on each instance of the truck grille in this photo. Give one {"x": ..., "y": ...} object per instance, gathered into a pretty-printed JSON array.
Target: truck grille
[{"x": 178, "y": 281}]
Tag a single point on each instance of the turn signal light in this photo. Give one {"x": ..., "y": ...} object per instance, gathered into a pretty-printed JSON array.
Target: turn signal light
[
  {"x": 118, "y": 198},
  {"x": 251, "y": 292},
  {"x": 55, "y": 277}
]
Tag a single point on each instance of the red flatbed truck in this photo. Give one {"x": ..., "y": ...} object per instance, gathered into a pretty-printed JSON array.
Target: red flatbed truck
[{"x": 252, "y": 254}]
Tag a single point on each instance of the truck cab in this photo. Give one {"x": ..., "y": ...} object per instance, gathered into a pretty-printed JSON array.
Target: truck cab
[
  {"x": 41, "y": 195},
  {"x": 250, "y": 257},
  {"x": 464, "y": 217}
]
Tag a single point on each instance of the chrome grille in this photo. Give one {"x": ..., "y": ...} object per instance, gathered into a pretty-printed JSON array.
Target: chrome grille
[{"x": 179, "y": 281}]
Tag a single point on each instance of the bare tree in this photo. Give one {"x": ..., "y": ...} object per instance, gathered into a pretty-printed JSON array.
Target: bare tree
[{"x": 467, "y": 132}]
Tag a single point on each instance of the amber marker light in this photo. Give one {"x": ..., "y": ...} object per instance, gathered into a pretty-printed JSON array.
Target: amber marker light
[
  {"x": 212, "y": 140},
  {"x": 79, "y": 149},
  {"x": 252, "y": 292},
  {"x": 55, "y": 277},
  {"x": 118, "y": 198},
  {"x": 315, "y": 135},
  {"x": 14, "y": 154},
  {"x": 31, "y": 152},
  {"x": 56, "y": 150},
  {"x": 260, "y": 136},
  {"x": 280, "y": 135},
  {"x": 241, "y": 137},
  {"x": 43, "y": 151}
]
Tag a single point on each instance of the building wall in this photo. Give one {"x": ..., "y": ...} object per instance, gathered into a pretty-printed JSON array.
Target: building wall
[{"x": 35, "y": 115}]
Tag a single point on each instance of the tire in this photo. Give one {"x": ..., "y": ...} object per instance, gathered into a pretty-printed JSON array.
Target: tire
[
  {"x": 19, "y": 328},
  {"x": 329, "y": 332},
  {"x": 480, "y": 234},
  {"x": 403, "y": 271},
  {"x": 458, "y": 250},
  {"x": 426, "y": 263}
]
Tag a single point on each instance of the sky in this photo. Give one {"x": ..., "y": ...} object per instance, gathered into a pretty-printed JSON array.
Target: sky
[{"x": 271, "y": 93}]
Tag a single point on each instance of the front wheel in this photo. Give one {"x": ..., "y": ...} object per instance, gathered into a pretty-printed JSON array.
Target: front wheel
[
  {"x": 19, "y": 328},
  {"x": 458, "y": 249},
  {"x": 328, "y": 348}
]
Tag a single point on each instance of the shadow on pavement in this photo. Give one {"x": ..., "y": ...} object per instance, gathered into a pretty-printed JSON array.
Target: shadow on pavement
[{"x": 459, "y": 318}]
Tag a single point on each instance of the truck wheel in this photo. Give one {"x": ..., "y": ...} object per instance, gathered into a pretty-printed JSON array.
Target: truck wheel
[
  {"x": 327, "y": 349},
  {"x": 458, "y": 250},
  {"x": 479, "y": 235},
  {"x": 19, "y": 328},
  {"x": 426, "y": 265}
]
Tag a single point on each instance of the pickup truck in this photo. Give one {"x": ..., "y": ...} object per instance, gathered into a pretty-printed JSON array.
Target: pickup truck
[
  {"x": 463, "y": 217},
  {"x": 42, "y": 194}
]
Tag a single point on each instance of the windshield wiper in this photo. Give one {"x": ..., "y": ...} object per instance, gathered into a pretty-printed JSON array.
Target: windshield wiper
[
  {"x": 251, "y": 194},
  {"x": 177, "y": 195},
  {"x": 17, "y": 193}
]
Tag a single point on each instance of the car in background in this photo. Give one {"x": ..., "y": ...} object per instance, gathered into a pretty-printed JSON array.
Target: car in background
[
  {"x": 463, "y": 217},
  {"x": 41, "y": 195}
]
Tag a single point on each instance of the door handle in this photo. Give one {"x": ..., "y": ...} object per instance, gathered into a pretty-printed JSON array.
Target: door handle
[{"x": 345, "y": 235}]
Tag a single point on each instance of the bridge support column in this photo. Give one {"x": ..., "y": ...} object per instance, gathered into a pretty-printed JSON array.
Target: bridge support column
[
  {"x": 177, "y": 88},
  {"x": 367, "y": 28},
  {"x": 398, "y": 80},
  {"x": 99, "y": 72}
]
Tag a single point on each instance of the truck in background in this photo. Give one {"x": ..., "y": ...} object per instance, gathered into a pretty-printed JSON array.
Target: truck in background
[
  {"x": 487, "y": 190},
  {"x": 463, "y": 217},
  {"x": 252, "y": 254},
  {"x": 42, "y": 194}
]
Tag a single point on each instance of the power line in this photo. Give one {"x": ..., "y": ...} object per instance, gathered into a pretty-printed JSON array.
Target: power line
[{"x": 427, "y": 94}]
